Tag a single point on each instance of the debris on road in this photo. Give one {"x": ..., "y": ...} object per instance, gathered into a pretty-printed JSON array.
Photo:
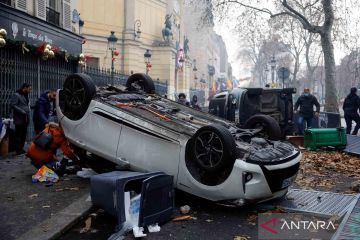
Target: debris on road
[
  {"x": 32, "y": 196},
  {"x": 154, "y": 228},
  {"x": 87, "y": 226},
  {"x": 138, "y": 232},
  {"x": 46, "y": 206},
  {"x": 209, "y": 220},
  {"x": 185, "y": 209},
  {"x": 183, "y": 218},
  {"x": 241, "y": 238},
  {"x": 45, "y": 174}
]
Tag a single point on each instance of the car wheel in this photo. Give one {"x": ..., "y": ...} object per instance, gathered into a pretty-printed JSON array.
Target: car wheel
[
  {"x": 140, "y": 82},
  {"x": 270, "y": 128},
  {"x": 213, "y": 148},
  {"x": 78, "y": 91}
]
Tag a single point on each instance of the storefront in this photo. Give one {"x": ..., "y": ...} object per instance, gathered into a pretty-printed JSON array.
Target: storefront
[{"x": 35, "y": 52}]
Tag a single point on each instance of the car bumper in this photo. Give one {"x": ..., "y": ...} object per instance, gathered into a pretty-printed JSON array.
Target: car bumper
[{"x": 260, "y": 187}]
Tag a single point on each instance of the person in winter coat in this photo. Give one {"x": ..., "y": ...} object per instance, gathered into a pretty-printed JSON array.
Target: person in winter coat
[
  {"x": 194, "y": 103},
  {"x": 40, "y": 157},
  {"x": 182, "y": 99},
  {"x": 306, "y": 102},
  {"x": 44, "y": 108},
  {"x": 351, "y": 106},
  {"x": 20, "y": 106}
]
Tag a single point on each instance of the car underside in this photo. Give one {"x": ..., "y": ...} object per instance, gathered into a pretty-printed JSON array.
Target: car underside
[{"x": 208, "y": 156}]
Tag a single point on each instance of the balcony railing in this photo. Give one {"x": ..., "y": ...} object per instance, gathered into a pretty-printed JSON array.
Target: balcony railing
[
  {"x": 52, "y": 16},
  {"x": 7, "y": 2}
]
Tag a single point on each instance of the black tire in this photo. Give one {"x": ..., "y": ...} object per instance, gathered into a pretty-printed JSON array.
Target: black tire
[
  {"x": 78, "y": 91},
  {"x": 213, "y": 148},
  {"x": 271, "y": 128},
  {"x": 140, "y": 82}
]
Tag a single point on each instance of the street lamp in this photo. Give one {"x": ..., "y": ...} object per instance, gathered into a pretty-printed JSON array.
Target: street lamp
[
  {"x": 137, "y": 32},
  {"x": 266, "y": 73},
  {"x": 147, "y": 59},
  {"x": 112, "y": 40},
  {"x": 273, "y": 65}
]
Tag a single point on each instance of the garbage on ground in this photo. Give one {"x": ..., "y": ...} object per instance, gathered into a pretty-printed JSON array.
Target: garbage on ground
[
  {"x": 87, "y": 226},
  {"x": 185, "y": 209},
  {"x": 32, "y": 196},
  {"x": 183, "y": 218},
  {"x": 154, "y": 228},
  {"x": 86, "y": 173},
  {"x": 45, "y": 174},
  {"x": 139, "y": 232}
]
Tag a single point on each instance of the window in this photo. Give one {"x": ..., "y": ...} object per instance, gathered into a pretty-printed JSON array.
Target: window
[
  {"x": 92, "y": 62},
  {"x": 52, "y": 15}
]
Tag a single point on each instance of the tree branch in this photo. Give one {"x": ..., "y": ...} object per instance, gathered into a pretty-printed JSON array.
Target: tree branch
[
  {"x": 306, "y": 24},
  {"x": 264, "y": 10}
]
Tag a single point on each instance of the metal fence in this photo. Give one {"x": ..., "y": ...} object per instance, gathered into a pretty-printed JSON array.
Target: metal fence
[
  {"x": 17, "y": 68},
  {"x": 103, "y": 77}
]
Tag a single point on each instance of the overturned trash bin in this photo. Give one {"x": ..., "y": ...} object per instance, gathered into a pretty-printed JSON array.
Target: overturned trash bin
[{"x": 156, "y": 191}]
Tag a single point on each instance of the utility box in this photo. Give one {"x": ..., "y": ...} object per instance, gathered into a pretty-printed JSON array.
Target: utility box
[
  {"x": 324, "y": 137},
  {"x": 156, "y": 189}
]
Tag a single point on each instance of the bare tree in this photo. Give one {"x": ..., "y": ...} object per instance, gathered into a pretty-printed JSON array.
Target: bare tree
[{"x": 324, "y": 30}]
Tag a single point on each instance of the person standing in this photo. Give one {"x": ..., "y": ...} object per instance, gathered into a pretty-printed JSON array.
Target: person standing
[
  {"x": 182, "y": 99},
  {"x": 44, "y": 109},
  {"x": 20, "y": 106},
  {"x": 194, "y": 103},
  {"x": 306, "y": 102},
  {"x": 351, "y": 106}
]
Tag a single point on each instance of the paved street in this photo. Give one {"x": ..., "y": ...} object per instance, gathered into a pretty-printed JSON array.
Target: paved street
[
  {"x": 320, "y": 170},
  {"x": 25, "y": 205}
]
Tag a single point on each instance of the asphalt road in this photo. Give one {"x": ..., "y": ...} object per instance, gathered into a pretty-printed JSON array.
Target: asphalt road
[{"x": 211, "y": 222}]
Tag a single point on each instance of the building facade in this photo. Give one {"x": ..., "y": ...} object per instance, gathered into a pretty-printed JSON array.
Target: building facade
[
  {"x": 139, "y": 25},
  {"x": 40, "y": 47}
]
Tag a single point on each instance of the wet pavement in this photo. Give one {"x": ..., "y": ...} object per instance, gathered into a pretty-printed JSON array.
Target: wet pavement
[{"x": 24, "y": 205}]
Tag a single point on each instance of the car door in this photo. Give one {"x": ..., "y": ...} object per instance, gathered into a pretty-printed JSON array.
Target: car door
[
  {"x": 147, "y": 147},
  {"x": 99, "y": 134}
]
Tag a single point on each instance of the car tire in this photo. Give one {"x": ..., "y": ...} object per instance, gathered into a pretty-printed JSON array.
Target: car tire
[
  {"x": 213, "y": 148},
  {"x": 140, "y": 82},
  {"x": 270, "y": 127},
  {"x": 78, "y": 91}
]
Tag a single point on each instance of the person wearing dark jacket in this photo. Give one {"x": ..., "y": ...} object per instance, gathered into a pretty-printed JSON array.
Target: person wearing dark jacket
[
  {"x": 306, "y": 102},
  {"x": 20, "y": 106},
  {"x": 194, "y": 103},
  {"x": 351, "y": 106},
  {"x": 44, "y": 108}
]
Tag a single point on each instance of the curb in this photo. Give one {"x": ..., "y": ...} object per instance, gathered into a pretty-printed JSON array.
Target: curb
[{"x": 60, "y": 222}]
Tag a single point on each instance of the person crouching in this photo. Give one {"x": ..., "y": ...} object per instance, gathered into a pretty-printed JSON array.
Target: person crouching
[{"x": 40, "y": 156}]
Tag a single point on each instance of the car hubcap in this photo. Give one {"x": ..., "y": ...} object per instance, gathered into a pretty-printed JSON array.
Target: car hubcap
[
  {"x": 208, "y": 149},
  {"x": 74, "y": 92}
]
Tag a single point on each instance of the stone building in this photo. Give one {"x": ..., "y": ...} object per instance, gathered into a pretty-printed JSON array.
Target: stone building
[{"x": 139, "y": 25}]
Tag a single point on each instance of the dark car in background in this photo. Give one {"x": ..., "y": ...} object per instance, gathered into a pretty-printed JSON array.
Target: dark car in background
[{"x": 270, "y": 110}]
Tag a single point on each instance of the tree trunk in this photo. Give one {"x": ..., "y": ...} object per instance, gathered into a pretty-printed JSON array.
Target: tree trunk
[
  {"x": 331, "y": 104},
  {"x": 296, "y": 70}
]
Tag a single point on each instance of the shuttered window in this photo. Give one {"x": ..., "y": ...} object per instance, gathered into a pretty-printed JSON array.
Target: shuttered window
[
  {"x": 21, "y": 5},
  {"x": 66, "y": 15},
  {"x": 40, "y": 9}
]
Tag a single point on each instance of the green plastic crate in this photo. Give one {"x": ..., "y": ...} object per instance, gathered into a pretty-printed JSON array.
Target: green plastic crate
[{"x": 324, "y": 137}]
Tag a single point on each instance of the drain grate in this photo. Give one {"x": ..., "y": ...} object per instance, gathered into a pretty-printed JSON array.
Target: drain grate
[
  {"x": 315, "y": 202},
  {"x": 350, "y": 225}
]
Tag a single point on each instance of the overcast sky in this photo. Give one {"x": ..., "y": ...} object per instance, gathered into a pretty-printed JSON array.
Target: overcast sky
[{"x": 241, "y": 69}]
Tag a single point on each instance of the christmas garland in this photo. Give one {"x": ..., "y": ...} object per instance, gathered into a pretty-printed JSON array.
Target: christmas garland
[{"x": 45, "y": 50}]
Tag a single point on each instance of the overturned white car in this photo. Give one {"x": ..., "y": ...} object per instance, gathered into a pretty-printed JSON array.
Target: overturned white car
[{"x": 208, "y": 156}]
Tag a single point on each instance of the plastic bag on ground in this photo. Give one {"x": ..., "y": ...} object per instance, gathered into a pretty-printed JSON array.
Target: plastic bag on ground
[
  {"x": 86, "y": 173},
  {"x": 45, "y": 174}
]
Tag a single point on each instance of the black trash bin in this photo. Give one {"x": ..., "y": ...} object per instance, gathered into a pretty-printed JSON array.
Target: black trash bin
[{"x": 156, "y": 189}]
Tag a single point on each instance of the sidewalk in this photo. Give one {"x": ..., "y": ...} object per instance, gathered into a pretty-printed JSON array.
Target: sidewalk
[{"x": 35, "y": 209}]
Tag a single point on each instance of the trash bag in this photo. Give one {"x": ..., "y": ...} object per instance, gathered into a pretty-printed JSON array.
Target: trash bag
[{"x": 45, "y": 174}]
